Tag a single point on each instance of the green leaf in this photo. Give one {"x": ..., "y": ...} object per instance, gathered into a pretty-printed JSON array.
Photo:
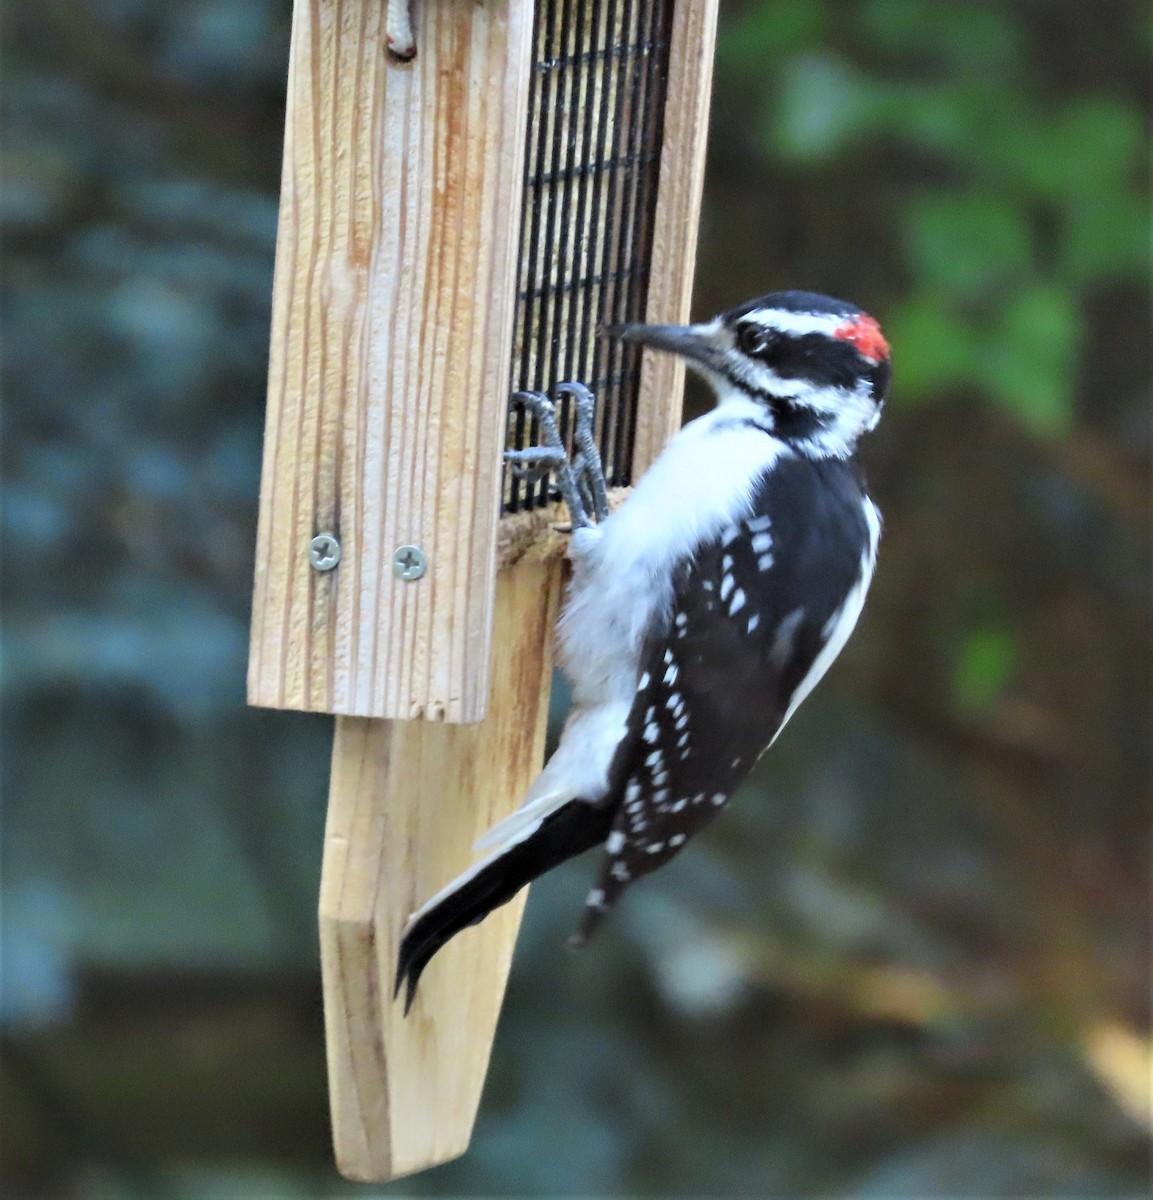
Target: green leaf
[
  {"x": 984, "y": 663},
  {"x": 825, "y": 103},
  {"x": 1018, "y": 142},
  {"x": 1105, "y": 235},
  {"x": 1033, "y": 352},
  {"x": 765, "y": 32},
  {"x": 968, "y": 242},
  {"x": 1091, "y": 147},
  {"x": 933, "y": 347},
  {"x": 969, "y": 122},
  {"x": 967, "y": 37}
]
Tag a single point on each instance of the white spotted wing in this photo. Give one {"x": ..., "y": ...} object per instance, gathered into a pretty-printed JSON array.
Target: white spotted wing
[{"x": 757, "y": 613}]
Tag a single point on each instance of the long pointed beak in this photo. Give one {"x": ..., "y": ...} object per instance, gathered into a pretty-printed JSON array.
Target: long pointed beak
[{"x": 694, "y": 342}]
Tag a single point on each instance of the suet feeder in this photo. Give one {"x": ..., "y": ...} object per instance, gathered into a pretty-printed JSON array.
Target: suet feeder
[{"x": 470, "y": 189}]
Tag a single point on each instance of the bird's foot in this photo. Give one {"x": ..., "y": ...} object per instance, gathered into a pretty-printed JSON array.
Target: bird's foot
[
  {"x": 587, "y": 465},
  {"x": 580, "y": 480}
]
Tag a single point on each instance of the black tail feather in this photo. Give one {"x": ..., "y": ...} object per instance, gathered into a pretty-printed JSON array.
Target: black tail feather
[{"x": 569, "y": 831}]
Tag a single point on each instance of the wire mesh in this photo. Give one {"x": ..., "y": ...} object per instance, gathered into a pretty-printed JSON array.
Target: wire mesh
[{"x": 592, "y": 159}]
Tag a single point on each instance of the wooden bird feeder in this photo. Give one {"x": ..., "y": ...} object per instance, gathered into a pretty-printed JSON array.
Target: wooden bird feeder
[{"x": 452, "y": 228}]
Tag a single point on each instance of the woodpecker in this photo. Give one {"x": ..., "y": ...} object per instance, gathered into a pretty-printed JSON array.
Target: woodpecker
[{"x": 703, "y": 611}]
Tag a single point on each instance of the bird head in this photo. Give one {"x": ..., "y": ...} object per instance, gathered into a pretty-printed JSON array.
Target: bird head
[{"x": 811, "y": 370}]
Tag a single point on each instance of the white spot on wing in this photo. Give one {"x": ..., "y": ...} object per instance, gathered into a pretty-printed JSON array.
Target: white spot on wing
[{"x": 616, "y": 842}]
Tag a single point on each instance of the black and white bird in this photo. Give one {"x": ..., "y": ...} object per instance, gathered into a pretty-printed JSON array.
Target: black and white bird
[{"x": 703, "y": 611}]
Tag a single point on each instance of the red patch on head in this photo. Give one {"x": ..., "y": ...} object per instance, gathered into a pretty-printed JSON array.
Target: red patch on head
[{"x": 866, "y": 336}]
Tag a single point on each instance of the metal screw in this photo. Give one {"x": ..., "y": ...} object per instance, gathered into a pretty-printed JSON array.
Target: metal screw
[
  {"x": 324, "y": 551},
  {"x": 409, "y": 562}
]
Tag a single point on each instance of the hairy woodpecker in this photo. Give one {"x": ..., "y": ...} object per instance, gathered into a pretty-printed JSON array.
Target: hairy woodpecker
[{"x": 703, "y": 611}]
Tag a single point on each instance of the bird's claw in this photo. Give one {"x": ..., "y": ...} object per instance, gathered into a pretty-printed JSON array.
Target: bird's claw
[
  {"x": 580, "y": 479},
  {"x": 587, "y": 465}
]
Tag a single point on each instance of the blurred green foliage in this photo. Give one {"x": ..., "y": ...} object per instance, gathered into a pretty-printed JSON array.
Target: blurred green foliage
[
  {"x": 1028, "y": 198},
  {"x": 985, "y": 662}
]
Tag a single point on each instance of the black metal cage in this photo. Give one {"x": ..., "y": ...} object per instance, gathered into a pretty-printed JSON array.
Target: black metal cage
[{"x": 592, "y": 161}]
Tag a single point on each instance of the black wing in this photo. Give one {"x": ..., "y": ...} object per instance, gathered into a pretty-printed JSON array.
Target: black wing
[{"x": 752, "y": 614}]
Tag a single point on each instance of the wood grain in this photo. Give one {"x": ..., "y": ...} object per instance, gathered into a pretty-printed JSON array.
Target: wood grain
[
  {"x": 408, "y": 800},
  {"x": 677, "y": 219},
  {"x": 391, "y": 340}
]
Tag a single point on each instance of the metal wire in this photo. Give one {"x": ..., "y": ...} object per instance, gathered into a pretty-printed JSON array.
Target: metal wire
[{"x": 592, "y": 159}]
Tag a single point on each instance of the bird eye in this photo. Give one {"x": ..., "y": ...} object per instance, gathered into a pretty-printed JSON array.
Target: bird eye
[{"x": 753, "y": 339}]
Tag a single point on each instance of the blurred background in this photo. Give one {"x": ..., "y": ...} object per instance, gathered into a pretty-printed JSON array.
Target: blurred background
[{"x": 912, "y": 960}]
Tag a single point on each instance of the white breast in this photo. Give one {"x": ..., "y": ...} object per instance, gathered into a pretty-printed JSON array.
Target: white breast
[
  {"x": 623, "y": 584},
  {"x": 623, "y": 580}
]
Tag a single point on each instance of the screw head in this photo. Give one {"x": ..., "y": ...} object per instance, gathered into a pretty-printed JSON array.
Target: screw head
[
  {"x": 409, "y": 562},
  {"x": 324, "y": 551}
]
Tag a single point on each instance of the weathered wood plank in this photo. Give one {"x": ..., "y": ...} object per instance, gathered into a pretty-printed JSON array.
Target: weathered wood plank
[
  {"x": 391, "y": 342},
  {"x": 407, "y": 801},
  {"x": 677, "y": 219}
]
